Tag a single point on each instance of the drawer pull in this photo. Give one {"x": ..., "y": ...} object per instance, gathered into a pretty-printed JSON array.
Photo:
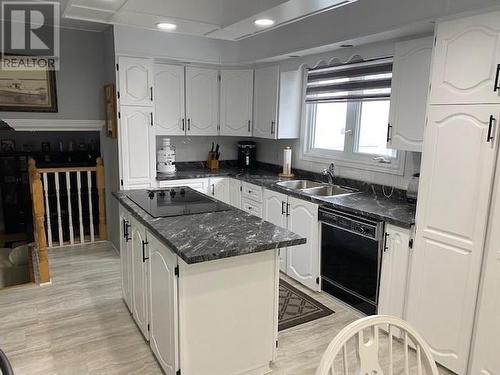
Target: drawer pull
[{"x": 497, "y": 86}]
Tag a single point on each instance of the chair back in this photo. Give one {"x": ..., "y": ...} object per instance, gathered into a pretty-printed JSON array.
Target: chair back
[
  {"x": 5, "y": 367},
  {"x": 378, "y": 345}
]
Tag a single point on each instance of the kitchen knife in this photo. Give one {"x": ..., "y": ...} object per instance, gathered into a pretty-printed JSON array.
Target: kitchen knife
[
  {"x": 212, "y": 150},
  {"x": 217, "y": 154}
]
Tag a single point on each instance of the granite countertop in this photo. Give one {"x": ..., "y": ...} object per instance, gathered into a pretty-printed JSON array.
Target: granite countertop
[
  {"x": 367, "y": 203},
  {"x": 210, "y": 236}
]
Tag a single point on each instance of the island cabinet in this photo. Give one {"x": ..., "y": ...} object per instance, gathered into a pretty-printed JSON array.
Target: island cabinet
[
  {"x": 217, "y": 317},
  {"x": 299, "y": 216},
  {"x": 125, "y": 257}
]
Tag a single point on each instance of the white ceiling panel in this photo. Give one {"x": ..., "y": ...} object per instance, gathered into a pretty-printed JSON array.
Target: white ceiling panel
[
  {"x": 84, "y": 13},
  {"x": 111, "y": 5},
  {"x": 149, "y": 21}
]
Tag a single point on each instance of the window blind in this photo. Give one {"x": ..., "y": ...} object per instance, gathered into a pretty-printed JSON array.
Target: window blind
[{"x": 361, "y": 80}]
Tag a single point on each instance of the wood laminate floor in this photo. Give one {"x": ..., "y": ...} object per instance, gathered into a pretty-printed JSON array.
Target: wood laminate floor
[{"x": 80, "y": 325}]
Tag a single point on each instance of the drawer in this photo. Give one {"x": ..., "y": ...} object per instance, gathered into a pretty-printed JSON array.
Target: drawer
[
  {"x": 252, "y": 192},
  {"x": 251, "y": 207}
]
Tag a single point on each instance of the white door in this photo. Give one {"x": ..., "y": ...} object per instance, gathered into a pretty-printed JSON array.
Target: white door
[
  {"x": 235, "y": 192},
  {"x": 219, "y": 188},
  {"x": 452, "y": 209},
  {"x": 274, "y": 211},
  {"x": 303, "y": 260},
  {"x": 135, "y": 81},
  {"x": 137, "y": 146},
  {"x": 236, "y": 102},
  {"x": 266, "y": 102},
  {"x": 394, "y": 272},
  {"x": 163, "y": 305},
  {"x": 125, "y": 258},
  {"x": 410, "y": 89},
  {"x": 485, "y": 359},
  {"x": 466, "y": 58},
  {"x": 139, "y": 276},
  {"x": 169, "y": 99},
  {"x": 202, "y": 101}
]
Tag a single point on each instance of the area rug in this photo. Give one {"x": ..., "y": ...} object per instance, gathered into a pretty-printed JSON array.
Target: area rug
[{"x": 297, "y": 307}]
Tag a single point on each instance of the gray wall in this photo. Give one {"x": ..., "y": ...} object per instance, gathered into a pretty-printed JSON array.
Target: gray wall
[{"x": 79, "y": 80}]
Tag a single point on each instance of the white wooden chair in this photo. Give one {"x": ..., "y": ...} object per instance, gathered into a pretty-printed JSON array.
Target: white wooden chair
[{"x": 400, "y": 337}]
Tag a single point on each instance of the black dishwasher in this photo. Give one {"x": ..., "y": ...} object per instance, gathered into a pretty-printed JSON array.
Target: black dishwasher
[{"x": 351, "y": 255}]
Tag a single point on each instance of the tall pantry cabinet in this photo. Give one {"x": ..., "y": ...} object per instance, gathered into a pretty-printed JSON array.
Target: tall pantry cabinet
[{"x": 459, "y": 157}]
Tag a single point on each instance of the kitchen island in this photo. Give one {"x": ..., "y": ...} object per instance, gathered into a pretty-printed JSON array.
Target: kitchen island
[{"x": 203, "y": 288}]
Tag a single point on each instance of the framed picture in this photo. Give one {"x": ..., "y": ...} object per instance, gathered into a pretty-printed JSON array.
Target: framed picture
[
  {"x": 7, "y": 145},
  {"x": 28, "y": 91},
  {"x": 110, "y": 108}
]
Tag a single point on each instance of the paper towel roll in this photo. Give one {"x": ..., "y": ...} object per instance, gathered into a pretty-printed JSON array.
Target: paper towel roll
[{"x": 287, "y": 161}]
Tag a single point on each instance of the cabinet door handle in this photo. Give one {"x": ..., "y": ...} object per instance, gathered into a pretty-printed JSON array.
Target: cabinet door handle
[
  {"x": 386, "y": 236},
  {"x": 249, "y": 124},
  {"x": 151, "y": 92},
  {"x": 213, "y": 189},
  {"x": 151, "y": 118},
  {"x": 490, "y": 128},
  {"x": 497, "y": 76},
  {"x": 189, "y": 124},
  {"x": 183, "y": 125},
  {"x": 283, "y": 207},
  {"x": 288, "y": 209},
  {"x": 389, "y": 127},
  {"x": 144, "y": 258},
  {"x": 124, "y": 228},
  {"x": 272, "y": 127}
]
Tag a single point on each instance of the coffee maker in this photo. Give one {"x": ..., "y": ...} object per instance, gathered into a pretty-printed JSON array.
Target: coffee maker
[{"x": 246, "y": 155}]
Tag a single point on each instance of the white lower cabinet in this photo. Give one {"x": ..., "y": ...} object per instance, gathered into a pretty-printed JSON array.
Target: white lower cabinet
[
  {"x": 235, "y": 192},
  {"x": 164, "y": 333},
  {"x": 198, "y": 184},
  {"x": 139, "y": 276},
  {"x": 274, "y": 211},
  {"x": 299, "y": 216},
  {"x": 394, "y": 272},
  {"x": 218, "y": 187},
  {"x": 125, "y": 257}
]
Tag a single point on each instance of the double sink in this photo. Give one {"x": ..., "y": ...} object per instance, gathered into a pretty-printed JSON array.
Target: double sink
[{"x": 317, "y": 189}]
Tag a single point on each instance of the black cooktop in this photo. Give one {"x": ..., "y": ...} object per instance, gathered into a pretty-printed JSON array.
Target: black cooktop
[{"x": 176, "y": 201}]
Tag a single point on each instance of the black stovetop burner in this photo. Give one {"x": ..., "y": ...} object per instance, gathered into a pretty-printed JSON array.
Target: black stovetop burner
[{"x": 175, "y": 201}]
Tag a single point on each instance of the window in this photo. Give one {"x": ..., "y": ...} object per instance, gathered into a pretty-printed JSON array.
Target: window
[{"x": 347, "y": 115}]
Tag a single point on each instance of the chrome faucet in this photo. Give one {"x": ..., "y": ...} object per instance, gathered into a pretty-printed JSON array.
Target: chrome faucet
[{"x": 330, "y": 172}]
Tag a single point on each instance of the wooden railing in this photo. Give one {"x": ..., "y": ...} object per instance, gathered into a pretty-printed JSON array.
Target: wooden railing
[{"x": 65, "y": 183}]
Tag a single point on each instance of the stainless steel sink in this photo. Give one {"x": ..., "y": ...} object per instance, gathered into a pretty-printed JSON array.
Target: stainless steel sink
[
  {"x": 314, "y": 188},
  {"x": 328, "y": 191},
  {"x": 299, "y": 184}
]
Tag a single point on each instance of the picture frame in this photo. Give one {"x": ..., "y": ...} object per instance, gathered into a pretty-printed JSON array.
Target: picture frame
[
  {"x": 111, "y": 122},
  {"x": 7, "y": 145},
  {"x": 28, "y": 91}
]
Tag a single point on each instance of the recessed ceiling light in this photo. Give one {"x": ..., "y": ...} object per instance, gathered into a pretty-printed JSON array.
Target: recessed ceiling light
[
  {"x": 264, "y": 22},
  {"x": 166, "y": 26}
]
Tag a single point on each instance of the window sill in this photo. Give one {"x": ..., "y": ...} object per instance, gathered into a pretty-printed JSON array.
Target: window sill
[{"x": 396, "y": 167}]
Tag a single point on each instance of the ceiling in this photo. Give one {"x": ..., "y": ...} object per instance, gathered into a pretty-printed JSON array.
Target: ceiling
[{"x": 220, "y": 19}]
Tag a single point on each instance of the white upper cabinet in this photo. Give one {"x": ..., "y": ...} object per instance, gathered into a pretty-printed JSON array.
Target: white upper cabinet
[
  {"x": 164, "y": 327},
  {"x": 135, "y": 81},
  {"x": 202, "y": 101},
  {"x": 236, "y": 102},
  {"x": 303, "y": 260},
  {"x": 466, "y": 61},
  {"x": 277, "y": 103},
  {"x": 137, "y": 146},
  {"x": 169, "y": 99},
  {"x": 410, "y": 88},
  {"x": 266, "y": 102},
  {"x": 394, "y": 272},
  {"x": 452, "y": 213}
]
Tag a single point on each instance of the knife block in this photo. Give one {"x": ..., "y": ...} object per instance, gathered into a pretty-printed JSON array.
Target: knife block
[{"x": 212, "y": 163}]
